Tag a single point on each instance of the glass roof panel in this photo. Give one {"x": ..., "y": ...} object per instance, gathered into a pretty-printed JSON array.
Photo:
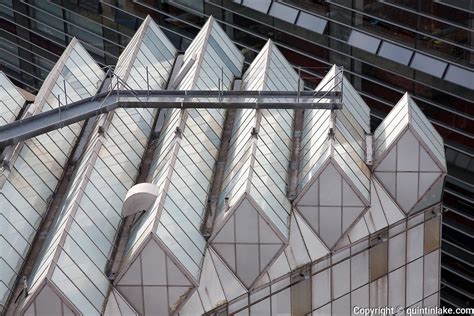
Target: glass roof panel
[
  {"x": 407, "y": 113},
  {"x": 349, "y": 126},
  {"x": 149, "y": 50},
  {"x": 259, "y": 165},
  {"x": 90, "y": 216},
  {"x": 187, "y": 149},
  {"x": 11, "y": 100},
  {"x": 37, "y": 168}
]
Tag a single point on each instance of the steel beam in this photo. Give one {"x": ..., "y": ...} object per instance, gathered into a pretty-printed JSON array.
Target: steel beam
[{"x": 108, "y": 101}]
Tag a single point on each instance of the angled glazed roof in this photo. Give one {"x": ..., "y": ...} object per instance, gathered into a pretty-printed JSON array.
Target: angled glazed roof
[
  {"x": 84, "y": 233},
  {"x": 347, "y": 147},
  {"x": 255, "y": 178},
  {"x": 406, "y": 114},
  {"x": 334, "y": 181},
  {"x": 382, "y": 213},
  {"x": 217, "y": 284},
  {"x": 76, "y": 72},
  {"x": 183, "y": 162},
  {"x": 168, "y": 267},
  {"x": 149, "y": 49},
  {"x": 36, "y": 165},
  {"x": 258, "y": 165},
  {"x": 409, "y": 157},
  {"x": 11, "y": 100},
  {"x": 210, "y": 54}
]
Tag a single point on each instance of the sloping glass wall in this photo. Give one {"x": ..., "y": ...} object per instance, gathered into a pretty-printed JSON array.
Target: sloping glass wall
[
  {"x": 79, "y": 245},
  {"x": 36, "y": 166}
]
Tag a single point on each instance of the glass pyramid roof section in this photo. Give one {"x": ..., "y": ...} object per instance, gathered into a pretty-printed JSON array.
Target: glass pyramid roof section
[
  {"x": 409, "y": 157},
  {"x": 183, "y": 164},
  {"x": 260, "y": 159},
  {"x": 334, "y": 181},
  {"x": 255, "y": 179},
  {"x": 11, "y": 100},
  {"x": 349, "y": 126},
  {"x": 84, "y": 234},
  {"x": 148, "y": 50},
  {"x": 260, "y": 242},
  {"x": 382, "y": 213},
  {"x": 407, "y": 114},
  {"x": 33, "y": 168}
]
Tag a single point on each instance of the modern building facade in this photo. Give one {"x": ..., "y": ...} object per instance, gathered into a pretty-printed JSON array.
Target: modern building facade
[
  {"x": 312, "y": 214},
  {"x": 386, "y": 48}
]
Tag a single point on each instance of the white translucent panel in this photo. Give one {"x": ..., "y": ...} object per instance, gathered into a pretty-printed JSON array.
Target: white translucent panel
[
  {"x": 426, "y": 162},
  {"x": 311, "y": 22},
  {"x": 360, "y": 297},
  {"x": 116, "y": 305},
  {"x": 428, "y": 65},
  {"x": 266, "y": 233},
  {"x": 133, "y": 276},
  {"x": 430, "y": 197},
  {"x": 431, "y": 301},
  {"x": 210, "y": 289},
  {"x": 296, "y": 252},
  {"x": 280, "y": 267},
  {"x": 349, "y": 215},
  {"x": 389, "y": 180},
  {"x": 407, "y": 189},
  {"x": 364, "y": 41},
  {"x": 311, "y": 196},
  {"x": 321, "y": 288},
  {"x": 415, "y": 242},
  {"x": 247, "y": 267},
  {"x": 330, "y": 191},
  {"x": 153, "y": 265},
  {"x": 47, "y": 302},
  {"x": 281, "y": 303},
  {"x": 340, "y": 276},
  {"x": 396, "y": 251},
  {"x": 155, "y": 300},
  {"x": 414, "y": 279},
  {"x": 341, "y": 306},
  {"x": 244, "y": 312},
  {"x": 425, "y": 182},
  {"x": 284, "y": 12},
  {"x": 226, "y": 234},
  {"x": 311, "y": 216},
  {"x": 378, "y": 292},
  {"x": 396, "y": 53},
  {"x": 389, "y": 162},
  {"x": 359, "y": 269},
  {"x": 261, "y": 5},
  {"x": 246, "y": 223},
  {"x": 192, "y": 306},
  {"x": 396, "y": 287},
  {"x": 330, "y": 225},
  {"x": 407, "y": 152},
  {"x": 134, "y": 296},
  {"x": 460, "y": 76},
  {"x": 316, "y": 248},
  {"x": 431, "y": 273},
  {"x": 261, "y": 308},
  {"x": 231, "y": 285},
  {"x": 323, "y": 311}
]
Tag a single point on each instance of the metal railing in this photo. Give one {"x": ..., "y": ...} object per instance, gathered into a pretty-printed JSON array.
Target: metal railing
[{"x": 119, "y": 94}]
